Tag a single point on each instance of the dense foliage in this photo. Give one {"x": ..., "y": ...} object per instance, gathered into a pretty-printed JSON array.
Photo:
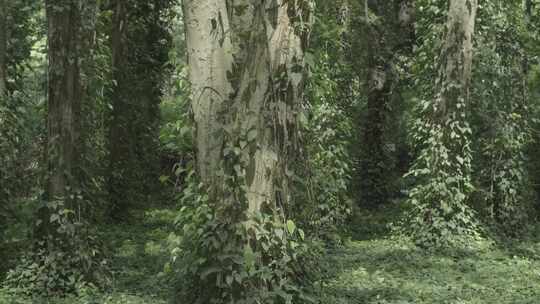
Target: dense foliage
[{"x": 284, "y": 151}]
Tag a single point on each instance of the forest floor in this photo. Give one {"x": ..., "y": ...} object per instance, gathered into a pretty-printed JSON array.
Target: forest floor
[
  {"x": 370, "y": 268},
  {"x": 374, "y": 268},
  {"x": 381, "y": 272}
]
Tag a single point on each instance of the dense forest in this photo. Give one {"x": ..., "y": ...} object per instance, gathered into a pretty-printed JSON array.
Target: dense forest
[{"x": 269, "y": 151}]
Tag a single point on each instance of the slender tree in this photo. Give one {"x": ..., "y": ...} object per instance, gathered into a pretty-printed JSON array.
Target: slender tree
[{"x": 443, "y": 168}]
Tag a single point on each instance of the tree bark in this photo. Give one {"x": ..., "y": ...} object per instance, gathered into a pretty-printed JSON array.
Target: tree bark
[
  {"x": 456, "y": 56},
  {"x": 119, "y": 131},
  {"x": 210, "y": 56},
  {"x": 442, "y": 170},
  {"x": 246, "y": 70},
  {"x": 85, "y": 111},
  {"x": 64, "y": 95}
]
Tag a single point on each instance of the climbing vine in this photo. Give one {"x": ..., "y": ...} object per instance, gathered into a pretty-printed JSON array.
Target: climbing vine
[
  {"x": 503, "y": 122},
  {"x": 440, "y": 213},
  {"x": 238, "y": 243}
]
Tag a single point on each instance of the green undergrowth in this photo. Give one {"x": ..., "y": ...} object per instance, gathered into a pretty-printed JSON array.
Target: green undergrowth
[
  {"x": 386, "y": 271},
  {"x": 370, "y": 269},
  {"x": 138, "y": 251},
  {"x": 85, "y": 297}
]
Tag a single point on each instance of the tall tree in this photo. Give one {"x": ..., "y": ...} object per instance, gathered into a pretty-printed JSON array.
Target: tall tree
[
  {"x": 89, "y": 114},
  {"x": 140, "y": 43},
  {"x": 456, "y": 57},
  {"x": 443, "y": 168},
  {"x": 64, "y": 97},
  {"x": 247, "y": 74},
  {"x": 245, "y": 92}
]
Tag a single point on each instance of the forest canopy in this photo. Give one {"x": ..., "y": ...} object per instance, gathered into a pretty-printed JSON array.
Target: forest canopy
[{"x": 269, "y": 151}]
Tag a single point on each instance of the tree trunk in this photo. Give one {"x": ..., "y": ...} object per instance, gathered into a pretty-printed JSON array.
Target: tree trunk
[
  {"x": 527, "y": 13},
  {"x": 247, "y": 74},
  {"x": 87, "y": 113},
  {"x": 246, "y": 70},
  {"x": 119, "y": 131},
  {"x": 64, "y": 95},
  {"x": 440, "y": 214},
  {"x": 456, "y": 56},
  {"x": 210, "y": 56}
]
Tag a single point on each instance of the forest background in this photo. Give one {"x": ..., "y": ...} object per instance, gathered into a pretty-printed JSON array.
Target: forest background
[{"x": 285, "y": 151}]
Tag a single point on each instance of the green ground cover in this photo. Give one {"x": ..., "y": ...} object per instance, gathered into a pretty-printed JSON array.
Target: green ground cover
[{"x": 372, "y": 268}]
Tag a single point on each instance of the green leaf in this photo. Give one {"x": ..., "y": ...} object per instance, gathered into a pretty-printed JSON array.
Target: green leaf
[
  {"x": 291, "y": 226},
  {"x": 249, "y": 256}
]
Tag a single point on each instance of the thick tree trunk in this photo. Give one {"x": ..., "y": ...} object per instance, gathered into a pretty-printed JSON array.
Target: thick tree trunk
[
  {"x": 246, "y": 73},
  {"x": 210, "y": 55},
  {"x": 64, "y": 95}
]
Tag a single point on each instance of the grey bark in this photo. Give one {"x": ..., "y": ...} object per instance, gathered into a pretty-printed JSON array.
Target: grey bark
[
  {"x": 246, "y": 71},
  {"x": 456, "y": 55}
]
